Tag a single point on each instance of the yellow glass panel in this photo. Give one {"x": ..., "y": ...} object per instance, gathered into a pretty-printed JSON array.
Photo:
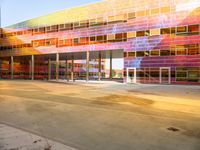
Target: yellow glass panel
[
  {"x": 131, "y": 34},
  {"x": 165, "y": 9},
  {"x": 120, "y": 17},
  {"x": 111, "y": 18},
  {"x": 155, "y": 32},
  {"x": 111, "y": 36},
  {"x": 141, "y": 13},
  {"x": 155, "y": 11}
]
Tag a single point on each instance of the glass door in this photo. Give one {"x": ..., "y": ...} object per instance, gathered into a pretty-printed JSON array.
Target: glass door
[
  {"x": 165, "y": 75},
  {"x": 131, "y": 75}
]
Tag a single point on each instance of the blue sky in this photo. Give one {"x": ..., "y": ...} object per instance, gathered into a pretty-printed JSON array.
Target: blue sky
[{"x": 14, "y": 11}]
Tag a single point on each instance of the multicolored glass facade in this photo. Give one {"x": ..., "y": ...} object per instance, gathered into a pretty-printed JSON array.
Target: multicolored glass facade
[{"x": 158, "y": 40}]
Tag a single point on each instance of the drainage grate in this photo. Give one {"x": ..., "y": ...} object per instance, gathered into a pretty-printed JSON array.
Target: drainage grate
[{"x": 173, "y": 129}]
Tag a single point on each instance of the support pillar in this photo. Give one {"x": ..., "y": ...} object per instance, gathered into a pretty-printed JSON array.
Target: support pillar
[
  {"x": 87, "y": 65},
  {"x": 1, "y": 68},
  {"x": 32, "y": 67},
  {"x": 12, "y": 67},
  {"x": 29, "y": 69},
  {"x": 111, "y": 65},
  {"x": 99, "y": 74},
  {"x": 57, "y": 67},
  {"x": 66, "y": 71},
  {"x": 72, "y": 69},
  {"x": 49, "y": 69}
]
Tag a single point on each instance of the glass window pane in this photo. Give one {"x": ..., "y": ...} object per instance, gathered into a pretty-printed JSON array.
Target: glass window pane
[
  {"x": 155, "y": 53},
  {"x": 164, "y": 52},
  {"x": 140, "y": 53}
]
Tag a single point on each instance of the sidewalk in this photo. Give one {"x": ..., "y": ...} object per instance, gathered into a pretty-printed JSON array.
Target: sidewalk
[{"x": 15, "y": 139}]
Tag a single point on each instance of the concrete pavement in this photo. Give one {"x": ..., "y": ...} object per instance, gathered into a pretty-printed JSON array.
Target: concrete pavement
[{"x": 105, "y": 116}]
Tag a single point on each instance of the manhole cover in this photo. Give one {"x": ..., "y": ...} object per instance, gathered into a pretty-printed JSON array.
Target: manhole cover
[{"x": 173, "y": 129}]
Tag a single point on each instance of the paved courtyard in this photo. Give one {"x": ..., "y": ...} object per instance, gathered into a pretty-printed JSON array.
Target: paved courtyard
[{"x": 102, "y": 116}]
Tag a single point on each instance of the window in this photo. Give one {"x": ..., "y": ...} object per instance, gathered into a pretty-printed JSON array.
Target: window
[
  {"x": 76, "y": 25},
  {"x": 155, "y": 11},
  {"x": 146, "y": 53},
  {"x": 155, "y": 53},
  {"x": 131, "y": 54},
  {"x": 173, "y": 30},
  {"x": 187, "y": 74},
  {"x": 141, "y": 13},
  {"x": 61, "y": 26},
  {"x": 165, "y": 9},
  {"x": 121, "y": 18},
  {"x": 193, "y": 29},
  {"x": 18, "y": 33},
  {"x": 181, "y": 30},
  {"x": 100, "y": 21},
  {"x": 68, "y": 42},
  {"x": 93, "y": 22},
  {"x": 92, "y": 39},
  {"x": 42, "y": 30},
  {"x": 120, "y": 36},
  {"x": 84, "y": 24},
  {"x": 61, "y": 42},
  {"x": 83, "y": 40},
  {"x": 35, "y": 31},
  {"x": 131, "y": 15},
  {"x": 111, "y": 19},
  {"x": 173, "y": 50},
  {"x": 116, "y": 19},
  {"x": 69, "y": 26},
  {"x": 97, "y": 22},
  {"x": 100, "y": 38},
  {"x": 155, "y": 32},
  {"x": 154, "y": 73},
  {"x": 125, "y": 54},
  {"x": 54, "y": 28},
  {"x": 181, "y": 74},
  {"x": 165, "y": 53},
  {"x": 142, "y": 33},
  {"x": 193, "y": 49},
  {"x": 47, "y": 42},
  {"x": 193, "y": 74},
  {"x": 181, "y": 49},
  {"x": 48, "y": 29},
  {"x": 76, "y": 41},
  {"x": 35, "y": 44},
  {"x": 140, "y": 53},
  {"x": 38, "y": 43},
  {"x": 131, "y": 34},
  {"x": 111, "y": 37},
  {"x": 165, "y": 31}
]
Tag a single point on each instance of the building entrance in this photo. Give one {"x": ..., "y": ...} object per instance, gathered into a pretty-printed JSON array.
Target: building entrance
[
  {"x": 131, "y": 75},
  {"x": 165, "y": 75}
]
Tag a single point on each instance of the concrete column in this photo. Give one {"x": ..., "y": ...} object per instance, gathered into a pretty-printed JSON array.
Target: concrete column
[
  {"x": 99, "y": 74},
  {"x": 32, "y": 67},
  {"x": 57, "y": 66},
  {"x": 72, "y": 69},
  {"x": 111, "y": 65},
  {"x": 29, "y": 69},
  {"x": 1, "y": 68},
  {"x": 66, "y": 70},
  {"x": 49, "y": 69},
  {"x": 87, "y": 65},
  {"x": 12, "y": 67}
]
